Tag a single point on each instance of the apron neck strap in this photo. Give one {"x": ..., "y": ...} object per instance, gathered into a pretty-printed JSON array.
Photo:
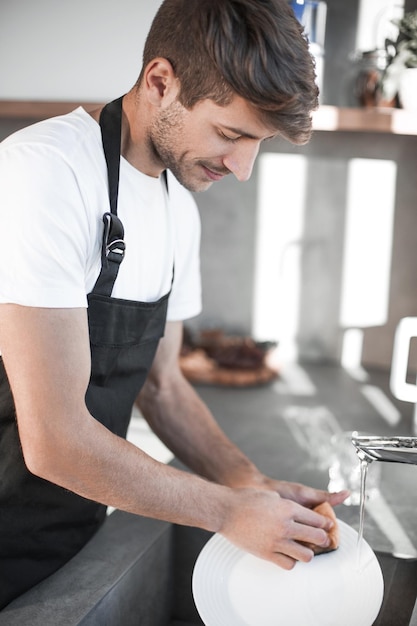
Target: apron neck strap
[
  {"x": 113, "y": 245},
  {"x": 111, "y": 133}
]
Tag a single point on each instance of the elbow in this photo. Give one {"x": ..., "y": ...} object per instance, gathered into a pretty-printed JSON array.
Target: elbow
[
  {"x": 41, "y": 454},
  {"x": 35, "y": 458}
]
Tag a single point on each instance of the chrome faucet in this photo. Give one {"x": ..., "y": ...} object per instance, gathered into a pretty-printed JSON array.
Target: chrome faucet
[{"x": 391, "y": 449}]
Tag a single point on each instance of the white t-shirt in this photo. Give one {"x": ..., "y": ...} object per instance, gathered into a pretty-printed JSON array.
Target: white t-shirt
[{"x": 53, "y": 194}]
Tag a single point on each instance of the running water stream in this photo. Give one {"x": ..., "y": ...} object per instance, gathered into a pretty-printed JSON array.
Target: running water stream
[{"x": 364, "y": 473}]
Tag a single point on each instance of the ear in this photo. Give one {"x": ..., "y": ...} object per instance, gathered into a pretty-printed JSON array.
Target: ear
[{"x": 161, "y": 84}]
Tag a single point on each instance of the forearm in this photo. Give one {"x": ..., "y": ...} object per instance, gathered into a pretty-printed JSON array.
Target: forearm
[
  {"x": 184, "y": 423},
  {"x": 105, "y": 468}
]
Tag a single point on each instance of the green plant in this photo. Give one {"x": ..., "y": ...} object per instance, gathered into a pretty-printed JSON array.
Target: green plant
[{"x": 402, "y": 53}]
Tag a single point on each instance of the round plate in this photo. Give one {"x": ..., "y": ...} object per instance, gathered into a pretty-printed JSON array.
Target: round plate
[{"x": 234, "y": 588}]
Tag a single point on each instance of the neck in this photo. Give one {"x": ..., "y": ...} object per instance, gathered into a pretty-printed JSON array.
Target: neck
[{"x": 135, "y": 146}]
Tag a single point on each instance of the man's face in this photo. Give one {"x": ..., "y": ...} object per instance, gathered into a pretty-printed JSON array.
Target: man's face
[{"x": 202, "y": 145}]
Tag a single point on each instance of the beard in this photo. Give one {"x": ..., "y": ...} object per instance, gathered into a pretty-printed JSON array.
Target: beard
[{"x": 166, "y": 136}]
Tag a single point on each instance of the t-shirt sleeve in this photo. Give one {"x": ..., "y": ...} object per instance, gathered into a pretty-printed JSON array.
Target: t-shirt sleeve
[
  {"x": 45, "y": 229},
  {"x": 185, "y": 298}
]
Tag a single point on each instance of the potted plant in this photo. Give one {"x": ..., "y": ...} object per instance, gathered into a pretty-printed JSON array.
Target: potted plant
[{"x": 400, "y": 76}]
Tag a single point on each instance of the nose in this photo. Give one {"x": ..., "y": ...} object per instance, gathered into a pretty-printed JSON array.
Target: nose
[{"x": 240, "y": 160}]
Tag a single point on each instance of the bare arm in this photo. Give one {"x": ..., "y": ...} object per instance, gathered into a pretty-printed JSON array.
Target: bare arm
[
  {"x": 47, "y": 358},
  {"x": 180, "y": 418},
  {"x": 184, "y": 423}
]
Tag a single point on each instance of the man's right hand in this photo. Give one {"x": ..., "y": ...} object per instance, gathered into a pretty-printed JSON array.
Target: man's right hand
[{"x": 273, "y": 528}]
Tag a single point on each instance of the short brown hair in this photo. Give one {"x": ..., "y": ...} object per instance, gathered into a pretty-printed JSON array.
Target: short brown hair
[{"x": 253, "y": 48}]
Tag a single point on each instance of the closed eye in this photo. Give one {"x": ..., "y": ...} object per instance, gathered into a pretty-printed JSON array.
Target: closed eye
[{"x": 227, "y": 138}]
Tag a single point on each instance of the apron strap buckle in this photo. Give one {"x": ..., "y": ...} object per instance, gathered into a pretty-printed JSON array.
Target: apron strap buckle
[
  {"x": 117, "y": 248},
  {"x": 113, "y": 244},
  {"x": 112, "y": 254}
]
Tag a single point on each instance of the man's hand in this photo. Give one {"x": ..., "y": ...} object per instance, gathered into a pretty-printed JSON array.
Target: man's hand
[
  {"x": 307, "y": 496},
  {"x": 274, "y": 528}
]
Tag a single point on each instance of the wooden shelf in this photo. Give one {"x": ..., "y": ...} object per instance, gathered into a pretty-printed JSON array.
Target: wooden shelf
[
  {"x": 384, "y": 120},
  {"x": 327, "y": 118},
  {"x": 25, "y": 109}
]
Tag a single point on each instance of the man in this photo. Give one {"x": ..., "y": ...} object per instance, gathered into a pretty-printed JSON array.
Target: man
[{"x": 92, "y": 322}]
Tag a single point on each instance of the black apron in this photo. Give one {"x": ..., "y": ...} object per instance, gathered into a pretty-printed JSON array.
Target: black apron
[{"x": 41, "y": 524}]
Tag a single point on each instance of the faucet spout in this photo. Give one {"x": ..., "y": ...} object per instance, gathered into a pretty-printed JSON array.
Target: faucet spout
[{"x": 390, "y": 449}]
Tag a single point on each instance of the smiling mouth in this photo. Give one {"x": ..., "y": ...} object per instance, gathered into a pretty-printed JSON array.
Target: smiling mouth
[{"x": 213, "y": 175}]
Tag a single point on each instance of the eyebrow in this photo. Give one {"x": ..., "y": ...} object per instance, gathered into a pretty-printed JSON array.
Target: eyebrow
[{"x": 242, "y": 133}]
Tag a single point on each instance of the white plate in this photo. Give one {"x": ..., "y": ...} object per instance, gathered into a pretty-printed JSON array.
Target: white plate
[{"x": 233, "y": 588}]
